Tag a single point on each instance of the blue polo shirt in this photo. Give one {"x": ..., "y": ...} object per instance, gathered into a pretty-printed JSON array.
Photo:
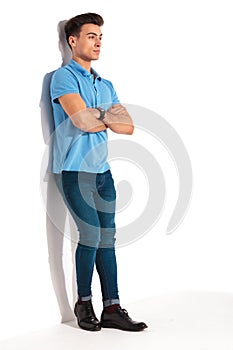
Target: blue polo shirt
[{"x": 74, "y": 149}]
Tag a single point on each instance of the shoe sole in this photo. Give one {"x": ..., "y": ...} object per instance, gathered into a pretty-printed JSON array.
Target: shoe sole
[
  {"x": 94, "y": 329},
  {"x": 112, "y": 325}
]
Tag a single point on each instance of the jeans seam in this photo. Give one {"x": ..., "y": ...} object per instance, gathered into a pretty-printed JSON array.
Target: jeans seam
[{"x": 105, "y": 276}]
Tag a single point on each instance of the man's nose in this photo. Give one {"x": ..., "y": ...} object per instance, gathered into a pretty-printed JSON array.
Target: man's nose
[{"x": 98, "y": 42}]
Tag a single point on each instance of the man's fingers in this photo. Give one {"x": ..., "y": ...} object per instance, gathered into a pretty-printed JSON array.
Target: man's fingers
[{"x": 117, "y": 109}]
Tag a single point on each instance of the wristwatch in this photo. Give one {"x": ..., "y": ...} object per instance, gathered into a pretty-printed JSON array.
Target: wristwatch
[{"x": 102, "y": 113}]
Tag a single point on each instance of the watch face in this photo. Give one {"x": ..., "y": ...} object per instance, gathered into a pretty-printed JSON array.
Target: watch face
[{"x": 102, "y": 113}]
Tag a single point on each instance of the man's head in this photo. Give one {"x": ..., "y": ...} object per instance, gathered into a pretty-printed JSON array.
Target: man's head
[
  {"x": 73, "y": 26},
  {"x": 84, "y": 35}
]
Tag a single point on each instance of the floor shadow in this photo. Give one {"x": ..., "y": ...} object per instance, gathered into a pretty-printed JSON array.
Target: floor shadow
[{"x": 190, "y": 320}]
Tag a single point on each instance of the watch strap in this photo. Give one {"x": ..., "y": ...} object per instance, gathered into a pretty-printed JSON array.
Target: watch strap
[{"x": 102, "y": 113}]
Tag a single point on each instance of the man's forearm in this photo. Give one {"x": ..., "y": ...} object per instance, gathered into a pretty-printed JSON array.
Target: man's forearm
[
  {"x": 116, "y": 118},
  {"x": 82, "y": 117},
  {"x": 87, "y": 120}
]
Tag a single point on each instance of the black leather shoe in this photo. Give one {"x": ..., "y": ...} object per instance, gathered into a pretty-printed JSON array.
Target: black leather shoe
[
  {"x": 86, "y": 317},
  {"x": 120, "y": 319}
]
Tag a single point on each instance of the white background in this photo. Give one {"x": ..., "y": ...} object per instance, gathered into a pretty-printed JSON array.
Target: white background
[{"x": 173, "y": 57}]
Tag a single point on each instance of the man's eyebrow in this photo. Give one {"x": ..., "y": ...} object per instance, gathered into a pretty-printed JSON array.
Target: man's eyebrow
[{"x": 94, "y": 34}]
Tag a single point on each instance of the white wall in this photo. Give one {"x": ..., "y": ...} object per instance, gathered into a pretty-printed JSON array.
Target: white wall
[{"x": 173, "y": 57}]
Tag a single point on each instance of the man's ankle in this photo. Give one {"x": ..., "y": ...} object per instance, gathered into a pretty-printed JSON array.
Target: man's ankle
[{"x": 83, "y": 302}]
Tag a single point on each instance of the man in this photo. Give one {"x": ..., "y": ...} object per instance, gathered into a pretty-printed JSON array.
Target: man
[{"x": 85, "y": 106}]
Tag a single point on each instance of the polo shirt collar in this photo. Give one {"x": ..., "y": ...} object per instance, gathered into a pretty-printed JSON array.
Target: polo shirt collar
[{"x": 78, "y": 68}]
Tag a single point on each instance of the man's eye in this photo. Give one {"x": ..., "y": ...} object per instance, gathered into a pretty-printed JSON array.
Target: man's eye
[{"x": 91, "y": 37}]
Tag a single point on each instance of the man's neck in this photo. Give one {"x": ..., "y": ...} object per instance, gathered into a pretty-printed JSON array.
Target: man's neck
[{"x": 85, "y": 64}]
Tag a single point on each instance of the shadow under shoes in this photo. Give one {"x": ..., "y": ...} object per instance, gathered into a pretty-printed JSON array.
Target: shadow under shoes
[
  {"x": 120, "y": 319},
  {"x": 86, "y": 317}
]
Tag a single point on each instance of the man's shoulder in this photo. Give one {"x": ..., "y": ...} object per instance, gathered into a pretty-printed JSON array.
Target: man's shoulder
[
  {"x": 65, "y": 73},
  {"x": 66, "y": 69},
  {"x": 107, "y": 82}
]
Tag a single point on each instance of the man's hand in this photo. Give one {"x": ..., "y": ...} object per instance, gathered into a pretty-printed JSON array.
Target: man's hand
[{"x": 118, "y": 120}]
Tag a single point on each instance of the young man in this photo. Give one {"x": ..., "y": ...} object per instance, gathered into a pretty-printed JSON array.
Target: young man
[{"x": 85, "y": 106}]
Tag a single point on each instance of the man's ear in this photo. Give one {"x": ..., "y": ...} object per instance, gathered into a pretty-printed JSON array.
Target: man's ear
[{"x": 73, "y": 41}]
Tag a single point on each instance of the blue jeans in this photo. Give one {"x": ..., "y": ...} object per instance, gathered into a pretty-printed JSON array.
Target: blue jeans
[{"x": 91, "y": 199}]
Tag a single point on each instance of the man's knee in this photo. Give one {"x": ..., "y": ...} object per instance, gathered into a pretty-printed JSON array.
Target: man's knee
[
  {"x": 107, "y": 238},
  {"x": 90, "y": 236}
]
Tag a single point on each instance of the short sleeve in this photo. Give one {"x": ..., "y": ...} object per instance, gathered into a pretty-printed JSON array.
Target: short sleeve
[
  {"x": 63, "y": 82},
  {"x": 115, "y": 98}
]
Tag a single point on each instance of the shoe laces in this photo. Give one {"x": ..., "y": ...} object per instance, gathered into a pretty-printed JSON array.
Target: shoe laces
[
  {"x": 90, "y": 310},
  {"x": 126, "y": 313}
]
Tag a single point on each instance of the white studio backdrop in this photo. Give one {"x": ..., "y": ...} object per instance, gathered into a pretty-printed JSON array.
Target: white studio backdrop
[{"x": 174, "y": 58}]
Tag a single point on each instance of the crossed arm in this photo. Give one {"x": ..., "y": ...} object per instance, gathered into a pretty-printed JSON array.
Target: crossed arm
[{"x": 116, "y": 117}]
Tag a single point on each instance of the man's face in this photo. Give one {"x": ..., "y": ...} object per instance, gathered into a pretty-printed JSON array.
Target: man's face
[{"x": 87, "y": 45}]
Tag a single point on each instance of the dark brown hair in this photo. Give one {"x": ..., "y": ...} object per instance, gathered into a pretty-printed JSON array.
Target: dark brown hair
[{"x": 73, "y": 25}]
